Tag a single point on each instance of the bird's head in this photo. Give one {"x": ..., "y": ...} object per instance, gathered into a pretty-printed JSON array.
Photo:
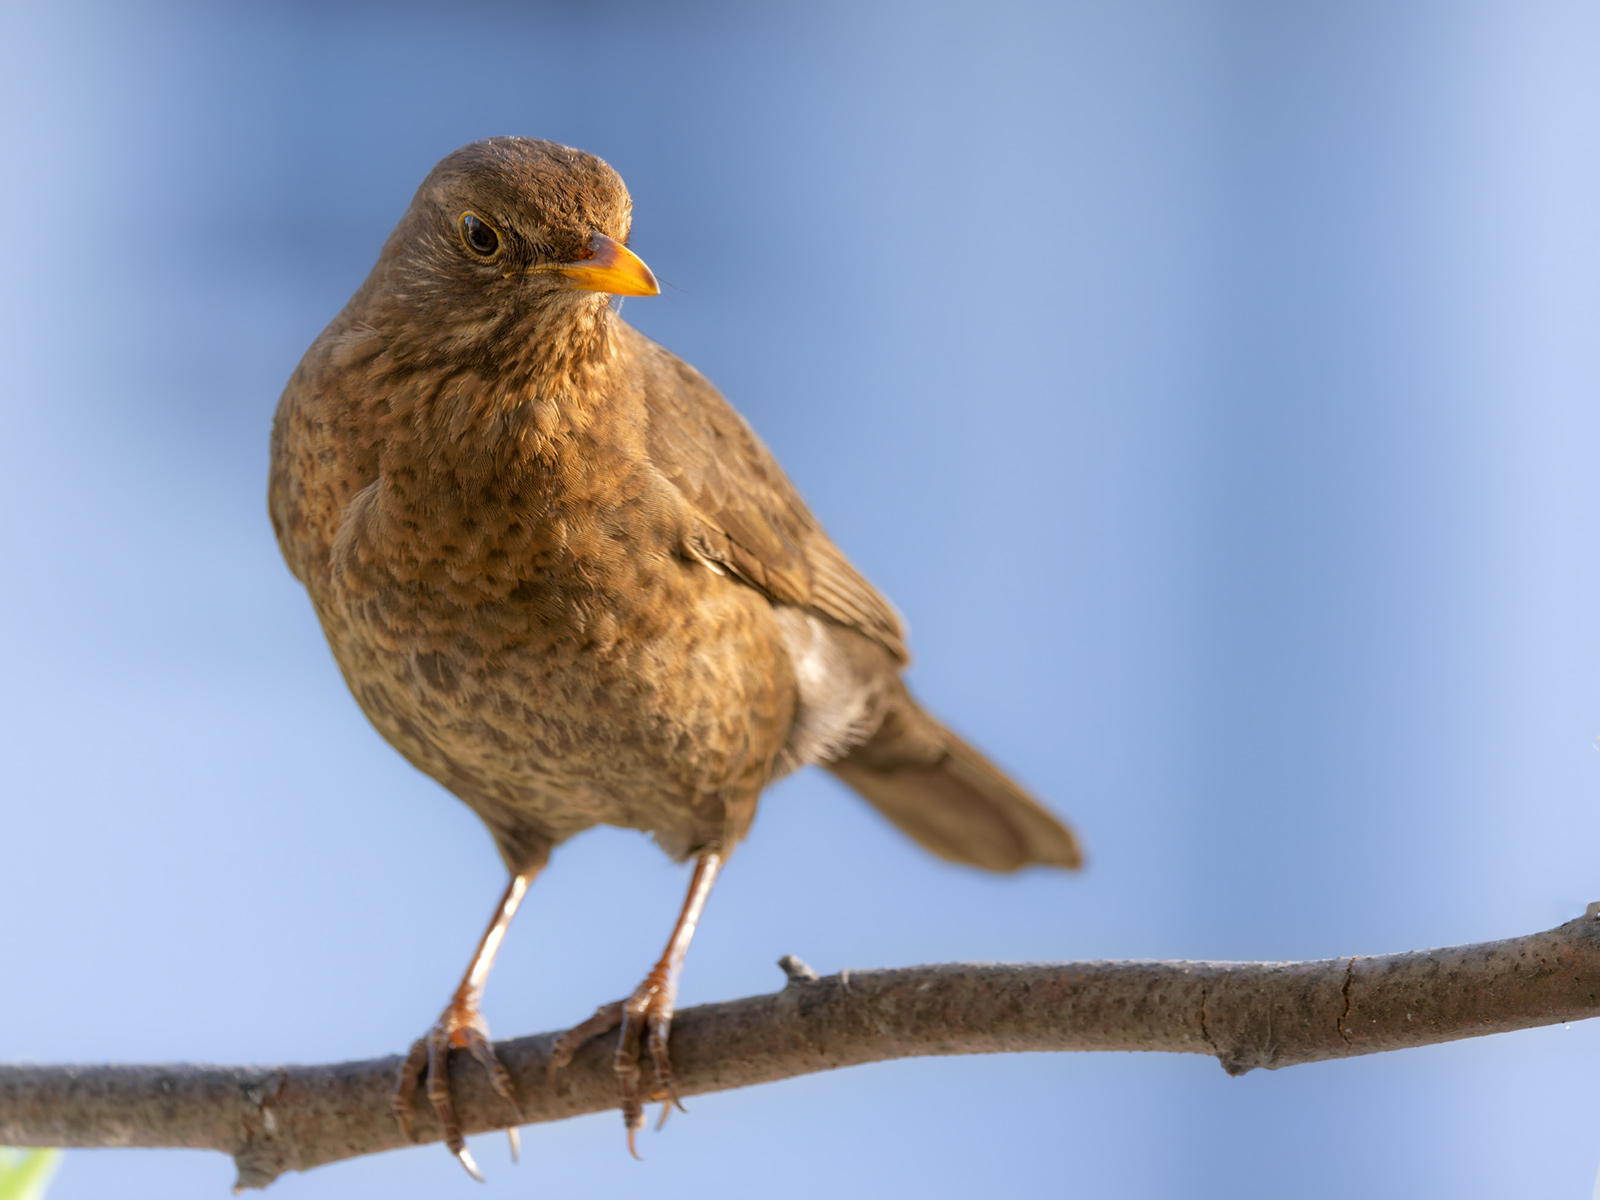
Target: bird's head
[{"x": 511, "y": 246}]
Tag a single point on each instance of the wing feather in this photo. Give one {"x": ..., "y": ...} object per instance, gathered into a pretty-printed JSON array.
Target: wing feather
[{"x": 750, "y": 520}]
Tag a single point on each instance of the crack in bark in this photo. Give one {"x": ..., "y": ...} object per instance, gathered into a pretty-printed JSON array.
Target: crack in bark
[{"x": 1344, "y": 1017}]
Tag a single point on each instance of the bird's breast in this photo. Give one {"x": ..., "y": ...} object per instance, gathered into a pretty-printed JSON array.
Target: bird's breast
[{"x": 559, "y": 655}]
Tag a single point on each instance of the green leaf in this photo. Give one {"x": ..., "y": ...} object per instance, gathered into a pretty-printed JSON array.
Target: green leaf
[{"x": 24, "y": 1174}]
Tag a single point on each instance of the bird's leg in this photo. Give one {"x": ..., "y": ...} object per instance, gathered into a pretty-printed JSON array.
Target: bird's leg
[
  {"x": 462, "y": 1026},
  {"x": 646, "y": 1016}
]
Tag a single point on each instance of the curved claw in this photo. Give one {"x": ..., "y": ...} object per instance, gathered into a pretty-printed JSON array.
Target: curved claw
[
  {"x": 428, "y": 1063},
  {"x": 660, "y": 1020},
  {"x": 643, "y": 1020},
  {"x": 625, "y": 1063},
  {"x": 437, "y": 1089},
  {"x": 477, "y": 1042},
  {"x": 464, "y": 1157},
  {"x": 405, "y": 1084}
]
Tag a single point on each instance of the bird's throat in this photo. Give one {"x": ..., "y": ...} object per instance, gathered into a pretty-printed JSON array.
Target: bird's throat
[{"x": 535, "y": 388}]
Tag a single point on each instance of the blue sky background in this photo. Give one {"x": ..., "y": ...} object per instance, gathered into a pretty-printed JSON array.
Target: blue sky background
[{"x": 1213, "y": 385}]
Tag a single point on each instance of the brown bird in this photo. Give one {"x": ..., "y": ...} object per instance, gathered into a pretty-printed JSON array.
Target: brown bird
[{"x": 563, "y": 577}]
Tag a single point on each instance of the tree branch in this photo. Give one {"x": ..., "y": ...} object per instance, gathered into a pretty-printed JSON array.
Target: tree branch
[{"x": 1245, "y": 1014}]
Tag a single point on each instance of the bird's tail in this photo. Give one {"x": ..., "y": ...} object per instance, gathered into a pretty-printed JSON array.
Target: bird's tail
[{"x": 944, "y": 794}]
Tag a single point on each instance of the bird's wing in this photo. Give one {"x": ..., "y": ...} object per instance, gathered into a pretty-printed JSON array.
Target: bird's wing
[{"x": 751, "y": 520}]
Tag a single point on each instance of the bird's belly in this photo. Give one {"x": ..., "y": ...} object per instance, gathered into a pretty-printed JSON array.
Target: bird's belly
[{"x": 660, "y": 707}]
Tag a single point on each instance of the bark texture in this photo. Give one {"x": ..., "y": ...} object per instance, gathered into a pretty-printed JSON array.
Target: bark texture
[{"x": 1247, "y": 1015}]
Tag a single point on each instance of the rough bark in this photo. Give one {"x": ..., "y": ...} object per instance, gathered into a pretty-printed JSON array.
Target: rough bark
[{"x": 1247, "y": 1015}]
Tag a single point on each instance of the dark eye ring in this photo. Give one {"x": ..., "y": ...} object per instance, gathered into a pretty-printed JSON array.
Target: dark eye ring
[{"x": 479, "y": 236}]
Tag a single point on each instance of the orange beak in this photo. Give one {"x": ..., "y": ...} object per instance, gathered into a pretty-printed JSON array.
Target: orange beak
[{"x": 610, "y": 267}]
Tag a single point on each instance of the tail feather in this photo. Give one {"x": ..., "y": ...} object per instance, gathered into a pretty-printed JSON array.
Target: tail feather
[{"x": 947, "y": 796}]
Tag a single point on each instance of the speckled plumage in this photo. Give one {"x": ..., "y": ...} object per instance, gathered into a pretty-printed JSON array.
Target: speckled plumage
[
  {"x": 563, "y": 577},
  {"x": 558, "y": 572}
]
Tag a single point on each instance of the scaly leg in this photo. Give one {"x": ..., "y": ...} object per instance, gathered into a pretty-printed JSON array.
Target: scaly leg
[
  {"x": 647, "y": 1011},
  {"x": 462, "y": 1026}
]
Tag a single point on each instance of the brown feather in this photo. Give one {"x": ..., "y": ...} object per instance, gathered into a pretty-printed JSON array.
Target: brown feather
[
  {"x": 563, "y": 576},
  {"x": 755, "y": 523},
  {"x": 952, "y": 800}
]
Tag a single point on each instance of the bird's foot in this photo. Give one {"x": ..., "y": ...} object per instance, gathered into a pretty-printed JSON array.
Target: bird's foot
[
  {"x": 645, "y": 1020},
  {"x": 460, "y": 1026}
]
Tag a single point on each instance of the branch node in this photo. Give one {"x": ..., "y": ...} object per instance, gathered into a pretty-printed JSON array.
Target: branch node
[
  {"x": 261, "y": 1158},
  {"x": 255, "y": 1170},
  {"x": 797, "y": 970}
]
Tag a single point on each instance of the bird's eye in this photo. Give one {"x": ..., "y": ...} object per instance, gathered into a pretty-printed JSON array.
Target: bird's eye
[{"x": 478, "y": 235}]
